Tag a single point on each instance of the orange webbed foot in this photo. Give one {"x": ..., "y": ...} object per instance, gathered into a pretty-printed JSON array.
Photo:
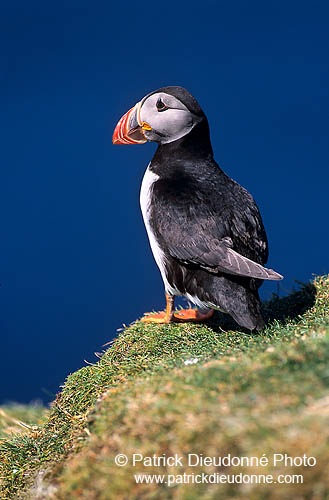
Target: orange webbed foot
[
  {"x": 183, "y": 316},
  {"x": 193, "y": 315},
  {"x": 160, "y": 318}
]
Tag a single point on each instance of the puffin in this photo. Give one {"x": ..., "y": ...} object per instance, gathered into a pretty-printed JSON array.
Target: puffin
[{"x": 205, "y": 230}]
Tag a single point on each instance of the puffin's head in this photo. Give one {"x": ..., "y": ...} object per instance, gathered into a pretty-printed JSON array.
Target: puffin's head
[{"x": 163, "y": 116}]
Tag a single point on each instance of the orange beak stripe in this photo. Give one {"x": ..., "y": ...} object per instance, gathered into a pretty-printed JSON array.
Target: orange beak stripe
[{"x": 123, "y": 132}]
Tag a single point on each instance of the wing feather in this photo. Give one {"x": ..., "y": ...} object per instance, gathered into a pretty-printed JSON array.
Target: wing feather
[{"x": 218, "y": 228}]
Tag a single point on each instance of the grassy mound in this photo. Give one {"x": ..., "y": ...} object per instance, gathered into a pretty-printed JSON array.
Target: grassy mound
[{"x": 177, "y": 389}]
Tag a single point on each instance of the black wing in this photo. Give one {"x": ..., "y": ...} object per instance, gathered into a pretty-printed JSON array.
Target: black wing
[{"x": 212, "y": 222}]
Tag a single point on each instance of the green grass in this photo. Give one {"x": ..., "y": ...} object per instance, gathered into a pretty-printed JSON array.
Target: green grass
[{"x": 245, "y": 395}]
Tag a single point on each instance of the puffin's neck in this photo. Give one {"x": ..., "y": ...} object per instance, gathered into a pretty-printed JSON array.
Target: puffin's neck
[{"x": 194, "y": 146}]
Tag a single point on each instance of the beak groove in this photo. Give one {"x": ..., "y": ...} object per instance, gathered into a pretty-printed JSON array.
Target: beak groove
[{"x": 129, "y": 130}]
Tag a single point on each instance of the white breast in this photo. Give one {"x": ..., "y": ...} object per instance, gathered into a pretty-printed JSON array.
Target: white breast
[{"x": 145, "y": 200}]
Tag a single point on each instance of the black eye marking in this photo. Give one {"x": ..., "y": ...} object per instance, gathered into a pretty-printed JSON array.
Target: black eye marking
[{"x": 161, "y": 105}]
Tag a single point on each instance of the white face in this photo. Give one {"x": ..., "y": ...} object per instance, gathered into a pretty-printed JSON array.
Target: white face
[{"x": 168, "y": 118}]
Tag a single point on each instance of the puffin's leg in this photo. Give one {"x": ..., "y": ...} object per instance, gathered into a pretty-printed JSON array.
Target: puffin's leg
[
  {"x": 185, "y": 315},
  {"x": 165, "y": 316}
]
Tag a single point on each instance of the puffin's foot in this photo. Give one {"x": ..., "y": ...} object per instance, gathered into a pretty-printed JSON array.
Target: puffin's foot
[
  {"x": 161, "y": 317},
  {"x": 193, "y": 315},
  {"x": 183, "y": 316}
]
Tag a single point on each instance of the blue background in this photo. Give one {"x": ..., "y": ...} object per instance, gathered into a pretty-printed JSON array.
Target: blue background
[{"x": 75, "y": 262}]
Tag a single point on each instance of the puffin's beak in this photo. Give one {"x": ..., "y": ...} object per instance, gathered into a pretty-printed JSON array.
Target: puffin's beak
[{"x": 129, "y": 129}]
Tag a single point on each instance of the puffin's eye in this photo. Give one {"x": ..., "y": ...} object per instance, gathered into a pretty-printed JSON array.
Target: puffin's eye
[{"x": 161, "y": 105}]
